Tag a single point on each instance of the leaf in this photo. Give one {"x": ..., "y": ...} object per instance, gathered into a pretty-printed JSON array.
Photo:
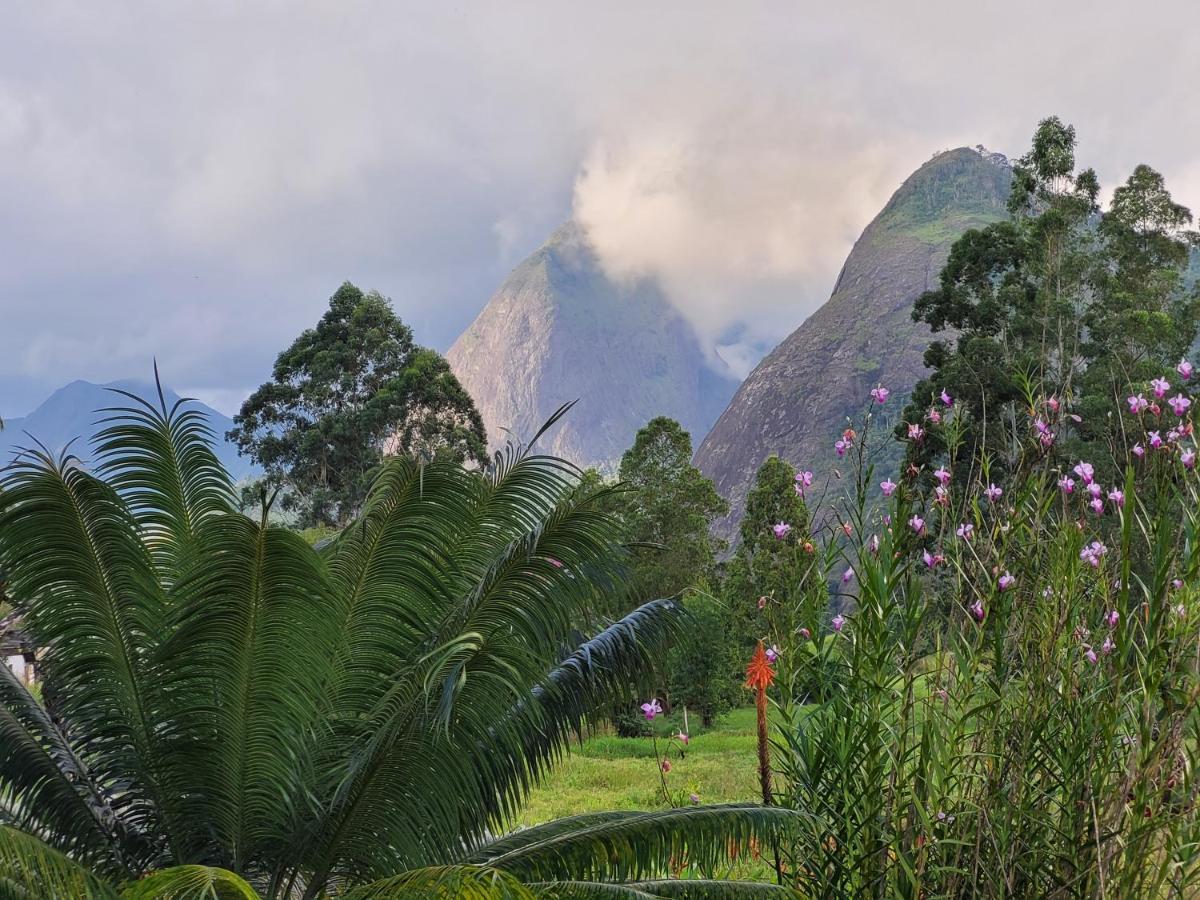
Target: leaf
[
  {"x": 190, "y": 883},
  {"x": 30, "y": 868},
  {"x": 444, "y": 883}
]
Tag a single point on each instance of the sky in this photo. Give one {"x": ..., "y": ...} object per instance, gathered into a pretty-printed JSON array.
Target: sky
[{"x": 193, "y": 181}]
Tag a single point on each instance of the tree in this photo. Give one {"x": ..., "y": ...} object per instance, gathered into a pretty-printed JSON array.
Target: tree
[
  {"x": 706, "y": 661},
  {"x": 232, "y": 713},
  {"x": 346, "y": 394},
  {"x": 669, "y": 511},
  {"x": 1059, "y": 306}
]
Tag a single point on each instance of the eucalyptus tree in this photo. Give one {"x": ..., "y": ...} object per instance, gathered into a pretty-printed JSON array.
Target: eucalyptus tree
[{"x": 229, "y": 712}]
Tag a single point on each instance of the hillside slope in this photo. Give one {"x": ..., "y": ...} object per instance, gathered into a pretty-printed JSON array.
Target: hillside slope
[
  {"x": 559, "y": 329},
  {"x": 796, "y": 400}
]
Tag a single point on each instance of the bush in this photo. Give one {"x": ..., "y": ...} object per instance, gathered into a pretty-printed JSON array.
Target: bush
[{"x": 705, "y": 665}]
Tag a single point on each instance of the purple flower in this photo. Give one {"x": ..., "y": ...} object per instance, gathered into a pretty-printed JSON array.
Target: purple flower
[
  {"x": 917, "y": 524},
  {"x": 888, "y": 487},
  {"x": 1160, "y": 386},
  {"x": 1095, "y": 490},
  {"x": 934, "y": 416},
  {"x": 651, "y": 709},
  {"x": 1085, "y": 471},
  {"x": 880, "y": 394},
  {"x": 993, "y": 493},
  {"x": 838, "y": 622},
  {"x": 805, "y": 633},
  {"x": 1052, "y": 404},
  {"x": 1111, "y": 618},
  {"x": 1090, "y": 656},
  {"x": 1188, "y": 458},
  {"x": 1179, "y": 404},
  {"x": 695, "y": 799},
  {"x": 965, "y": 531},
  {"x": 915, "y": 432},
  {"x": 1006, "y": 581},
  {"x": 1066, "y": 484},
  {"x": 1092, "y": 553},
  {"x": 942, "y": 474},
  {"x": 873, "y": 543},
  {"x": 804, "y": 481},
  {"x": 1184, "y": 369},
  {"x": 946, "y": 398},
  {"x": 1108, "y": 645},
  {"x": 1097, "y": 505},
  {"x": 1139, "y": 451},
  {"x": 781, "y": 529},
  {"x": 772, "y": 653},
  {"x": 1117, "y": 497},
  {"x": 1137, "y": 403},
  {"x": 847, "y": 576},
  {"x": 840, "y": 447},
  {"x": 977, "y": 610}
]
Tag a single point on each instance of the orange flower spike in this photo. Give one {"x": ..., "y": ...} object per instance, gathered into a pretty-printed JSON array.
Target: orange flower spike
[{"x": 759, "y": 674}]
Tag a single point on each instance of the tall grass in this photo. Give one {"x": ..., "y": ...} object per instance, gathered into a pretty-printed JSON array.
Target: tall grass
[{"x": 1032, "y": 737}]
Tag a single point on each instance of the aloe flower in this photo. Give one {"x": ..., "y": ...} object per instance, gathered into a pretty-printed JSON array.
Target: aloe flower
[
  {"x": 651, "y": 709},
  {"x": 880, "y": 394},
  {"x": 917, "y": 524},
  {"x": 1184, "y": 369},
  {"x": 1179, "y": 404},
  {"x": 1160, "y": 386},
  {"x": 993, "y": 493},
  {"x": 781, "y": 529},
  {"x": 1006, "y": 581},
  {"x": 838, "y": 622},
  {"x": 1137, "y": 404},
  {"x": 888, "y": 487}
]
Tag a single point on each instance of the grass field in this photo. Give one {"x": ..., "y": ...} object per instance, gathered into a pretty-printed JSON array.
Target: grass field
[{"x": 610, "y": 772}]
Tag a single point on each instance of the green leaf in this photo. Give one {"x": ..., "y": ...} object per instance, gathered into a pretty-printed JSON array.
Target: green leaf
[
  {"x": 190, "y": 883},
  {"x": 444, "y": 883},
  {"x": 32, "y": 869}
]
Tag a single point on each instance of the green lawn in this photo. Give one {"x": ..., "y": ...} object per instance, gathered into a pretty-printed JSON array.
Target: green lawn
[{"x": 609, "y": 772}]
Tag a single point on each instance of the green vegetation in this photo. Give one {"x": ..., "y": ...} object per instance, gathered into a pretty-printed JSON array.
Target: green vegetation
[
  {"x": 342, "y": 397},
  {"x": 234, "y": 713}
]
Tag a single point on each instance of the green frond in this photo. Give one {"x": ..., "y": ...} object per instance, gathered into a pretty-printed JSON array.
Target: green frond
[
  {"x": 444, "y": 883},
  {"x": 31, "y": 869},
  {"x": 588, "y": 890},
  {"x": 693, "y": 889},
  {"x": 249, "y": 667},
  {"x": 48, "y": 785},
  {"x": 79, "y": 573},
  {"x": 190, "y": 883},
  {"x": 637, "y": 845},
  {"x": 161, "y": 461}
]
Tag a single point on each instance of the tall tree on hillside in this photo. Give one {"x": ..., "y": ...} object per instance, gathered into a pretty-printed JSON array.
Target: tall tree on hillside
[
  {"x": 669, "y": 511},
  {"x": 1060, "y": 296},
  {"x": 344, "y": 395}
]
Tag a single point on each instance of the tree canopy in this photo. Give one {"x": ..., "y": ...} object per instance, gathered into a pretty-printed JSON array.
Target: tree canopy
[{"x": 346, "y": 394}]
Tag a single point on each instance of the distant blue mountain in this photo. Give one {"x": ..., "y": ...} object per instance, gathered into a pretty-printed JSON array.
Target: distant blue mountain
[{"x": 73, "y": 413}]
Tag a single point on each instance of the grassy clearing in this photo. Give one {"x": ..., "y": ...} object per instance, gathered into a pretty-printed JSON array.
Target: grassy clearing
[{"x": 610, "y": 772}]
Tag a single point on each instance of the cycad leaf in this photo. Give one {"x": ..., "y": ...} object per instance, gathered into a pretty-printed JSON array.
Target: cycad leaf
[
  {"x": 161, "y": 460},
  {"x": 31, "y": 869},
  {"x": 695, "y": 889},
  {"x": 633, "y": 846},
  {"x": 250, "y": 666},
  {"x": 45, "y": 776},
  {"x": 190, "y": 883},
  {"x": 444, "y": 883},
  {"x": 84, "y": 582}
]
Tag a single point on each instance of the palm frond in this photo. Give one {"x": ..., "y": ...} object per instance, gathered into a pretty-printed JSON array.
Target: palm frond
[
  {"x": 31, "y": 869},
  {"x": 444, "y": 883},
  {"x": 249, "y": 666},
  {"x": 694, "y": 889},
  {"x": 84, "y": 582},
  {"x": 161, "y": 460},
  {"x": 49, "y": 786},
  {"x": 190, "y": 883},
  {"x": 637, "y": 845}
]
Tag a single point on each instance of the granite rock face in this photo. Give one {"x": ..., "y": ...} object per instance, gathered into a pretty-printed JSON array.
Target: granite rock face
[
  {"x": 796, "y": 401},
  {"x": 558, "y": 330}
]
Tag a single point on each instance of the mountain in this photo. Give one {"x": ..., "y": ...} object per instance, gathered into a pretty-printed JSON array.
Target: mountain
[
  {"x": 73, "y": 413},
  {"x": 796, "y": 401},
  {"x": 559, "y": 329}
]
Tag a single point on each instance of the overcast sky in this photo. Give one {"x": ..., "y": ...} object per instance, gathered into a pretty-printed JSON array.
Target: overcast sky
[{"x": 192, "y": 181}]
